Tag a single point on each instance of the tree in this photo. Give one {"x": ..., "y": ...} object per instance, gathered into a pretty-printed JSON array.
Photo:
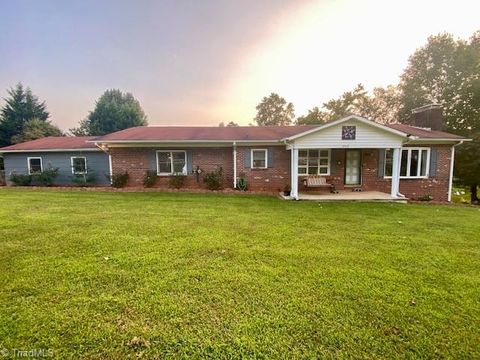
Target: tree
[
  {"x": 114, "y": 111},
  {"x": 274, "y": 110},
  {"x": 230, "y": 124},
  {"x": 382, "y": 106},
  {"x": 21, "y": 106},
  {"x": 314, "y": 116},
  {"x": 467, "y": 165},
  {"x": 447, "y": 72},
  {"x": 35, "y": 129}
]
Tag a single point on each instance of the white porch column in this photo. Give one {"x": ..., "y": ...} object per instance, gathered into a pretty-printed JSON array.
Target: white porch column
[
  {"x": 294, "y": 173},
  {"x": 450, "y": 176},
  {"x": 397, "y": 153},
  {"x": 234, "y": 165}
]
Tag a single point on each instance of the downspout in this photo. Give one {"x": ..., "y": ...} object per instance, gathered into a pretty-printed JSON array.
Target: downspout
[
  {"x": 452, "y": 163},
  {"x": 234, "y": 165}
]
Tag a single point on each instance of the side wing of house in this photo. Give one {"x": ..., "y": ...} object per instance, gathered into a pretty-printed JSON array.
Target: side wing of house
[{"x": 69, "y": 164}]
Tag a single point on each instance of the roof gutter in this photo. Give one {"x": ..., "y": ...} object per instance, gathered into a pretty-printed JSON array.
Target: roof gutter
[
  {"x": 47, "y": 150},
  {"x": 101, "y": 148},
  {"x": 182, "y": 141}
]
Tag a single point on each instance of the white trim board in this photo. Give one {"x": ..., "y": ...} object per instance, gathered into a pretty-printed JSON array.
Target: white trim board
[
  {"x": 265, "y": 151},
  {"x": 34, "y": 158}
]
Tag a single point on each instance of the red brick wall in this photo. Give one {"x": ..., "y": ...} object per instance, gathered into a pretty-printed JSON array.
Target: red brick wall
[
  {"x": 133, "y": 160},
  {"x": 138, "y": 160},
  {"x": 272, "y": 179},
  {"x": 436, "y": 186}
]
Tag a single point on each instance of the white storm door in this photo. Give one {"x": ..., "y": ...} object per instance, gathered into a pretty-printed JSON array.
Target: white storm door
[{"x": 352, "y": 167}]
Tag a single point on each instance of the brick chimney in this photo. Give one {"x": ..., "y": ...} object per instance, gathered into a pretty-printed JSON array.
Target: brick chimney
[{"x": 428, "y": 116}]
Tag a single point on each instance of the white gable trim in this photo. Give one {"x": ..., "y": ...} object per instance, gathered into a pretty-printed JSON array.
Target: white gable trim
[{"x": 345, "y": 119}]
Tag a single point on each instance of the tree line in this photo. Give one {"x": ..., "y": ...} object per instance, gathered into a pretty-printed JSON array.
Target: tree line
[{"x": 24, "y": 117}]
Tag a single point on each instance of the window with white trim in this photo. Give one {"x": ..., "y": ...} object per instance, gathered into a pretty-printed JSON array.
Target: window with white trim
[
  {"x": 414, "y": 163},
  {"x": 314, "y": 162},
  {"x": 35, "y": 165},
  {"x": 259, "y": 158},
  {"x": 79, "y": 165},
  {"x": 171, "y": 162}
]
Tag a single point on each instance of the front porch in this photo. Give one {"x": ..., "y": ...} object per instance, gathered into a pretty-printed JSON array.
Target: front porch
[
  {"x": 347, "y": 174},
  {"x": 347, "y": 153},
  {"x": 348, "y": 195}
]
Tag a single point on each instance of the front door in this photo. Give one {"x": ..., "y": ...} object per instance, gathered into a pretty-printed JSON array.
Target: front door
[{"x": 352, "y": 167}]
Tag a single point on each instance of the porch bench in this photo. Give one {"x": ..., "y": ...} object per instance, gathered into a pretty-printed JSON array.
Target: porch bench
[{"x": 317, "y": 181}]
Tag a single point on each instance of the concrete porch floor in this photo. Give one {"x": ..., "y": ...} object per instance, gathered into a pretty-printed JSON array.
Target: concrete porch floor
[{"x": 348, "y": 195}]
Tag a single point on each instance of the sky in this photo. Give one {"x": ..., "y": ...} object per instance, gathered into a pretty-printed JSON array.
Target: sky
[{"x": 210, "y": 61}]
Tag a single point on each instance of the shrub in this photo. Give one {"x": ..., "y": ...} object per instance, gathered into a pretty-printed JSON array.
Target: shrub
[
  {"x": 150, "y": 178},
  {"x": 242, "y": 184},
  {"x": 84, "y": 179},
  {"x": 177, "y": 181},
  {"x": 120, "y": 180},
  {"x": 46, "y": 177},
  {"x": 20, "y": 179},
  {"x": 213, "y": 180},
  {"x": 426, "y": 197}
]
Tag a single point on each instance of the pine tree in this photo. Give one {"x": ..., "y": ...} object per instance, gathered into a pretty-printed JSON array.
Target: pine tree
[{"x": 20, "y": 107}]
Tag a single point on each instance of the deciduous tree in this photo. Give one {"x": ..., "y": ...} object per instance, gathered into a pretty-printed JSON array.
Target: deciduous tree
[
  {"x": 114, "y": 111},
  {"x": 35, "y": 129},
  {"x": 274, "y": 110},
  {"x": 447, "y": 71}
]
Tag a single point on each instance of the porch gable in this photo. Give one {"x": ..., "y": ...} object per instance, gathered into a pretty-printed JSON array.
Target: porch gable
[{"x": 350, "y": 132}]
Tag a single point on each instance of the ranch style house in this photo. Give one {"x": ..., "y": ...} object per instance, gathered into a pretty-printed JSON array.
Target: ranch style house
[{"x": 350, "y": 154}]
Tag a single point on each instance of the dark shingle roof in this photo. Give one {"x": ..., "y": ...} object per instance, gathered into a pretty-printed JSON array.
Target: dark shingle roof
[
  {"x": 204, "y": 133},
  {"x": 423, "y": 133},
  {"x": 197, "y": 133},
  {"x": 53, "y": 143}
]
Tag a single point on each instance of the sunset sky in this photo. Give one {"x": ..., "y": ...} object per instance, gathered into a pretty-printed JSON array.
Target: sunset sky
[{"x": 202, "y": 62}]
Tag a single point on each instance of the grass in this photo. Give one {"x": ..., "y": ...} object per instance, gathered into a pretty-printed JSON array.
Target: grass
[{"x": 164, "y": 275}]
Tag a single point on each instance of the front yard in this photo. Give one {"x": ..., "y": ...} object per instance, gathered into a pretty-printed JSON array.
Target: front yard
[{"x": 159, "y": 275}]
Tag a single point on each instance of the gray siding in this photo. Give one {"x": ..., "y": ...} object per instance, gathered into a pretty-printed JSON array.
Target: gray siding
[{"x": 97, "y": 162}]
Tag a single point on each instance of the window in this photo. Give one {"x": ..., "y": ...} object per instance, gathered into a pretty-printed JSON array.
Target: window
[
  {"x": 79, "y": 165},
  {"x": 171, "y": 162},
  {"x": 259, "y": 159},
  {"x": 34, "y": 165},
  {"x": 414, "y": 163},
  {"x": 314, "y": 162}
]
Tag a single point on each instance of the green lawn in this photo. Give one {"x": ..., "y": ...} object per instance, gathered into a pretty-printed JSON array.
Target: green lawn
[{"x": 160, "y": 275}]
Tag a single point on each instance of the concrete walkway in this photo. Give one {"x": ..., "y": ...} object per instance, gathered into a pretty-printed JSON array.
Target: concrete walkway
[{"x": 346, "y": 195}]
